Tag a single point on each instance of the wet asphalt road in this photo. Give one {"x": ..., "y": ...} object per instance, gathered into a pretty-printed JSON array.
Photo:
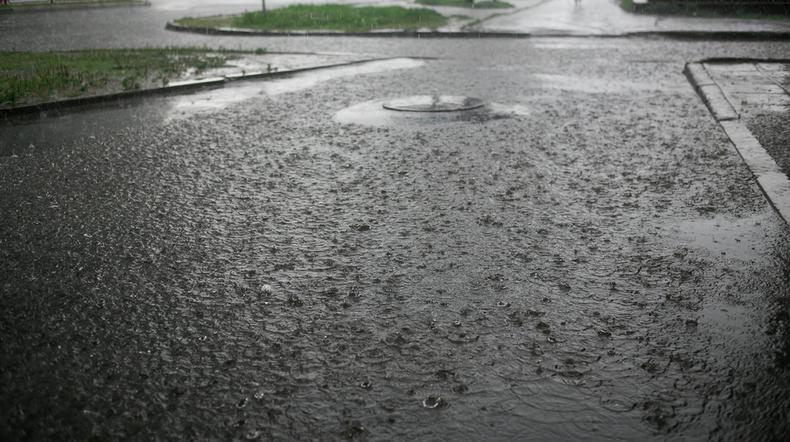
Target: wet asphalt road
[{"x": 585, "y": 258}]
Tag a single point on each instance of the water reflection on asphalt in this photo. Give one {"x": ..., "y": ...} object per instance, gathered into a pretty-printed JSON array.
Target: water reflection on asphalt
[{"x": 57, "y": 129}]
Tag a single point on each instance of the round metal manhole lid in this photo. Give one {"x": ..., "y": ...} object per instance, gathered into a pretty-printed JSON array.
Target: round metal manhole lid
[{"x": 433, "y": 103}]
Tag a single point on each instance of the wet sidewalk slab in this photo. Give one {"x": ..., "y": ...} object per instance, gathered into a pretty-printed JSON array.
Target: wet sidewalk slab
[{"x": 753, "y": 87}]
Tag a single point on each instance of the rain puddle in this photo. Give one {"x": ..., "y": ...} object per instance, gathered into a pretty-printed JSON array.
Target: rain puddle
[
  {"x": 381, "y": 113},
  {"x": 731, "y": 322},
  {"x": 559, "y": 411},
  {"x": 49, "y": 130},
  {"x": 743, "y": 239},
  {"x": 220, "y": 98}
]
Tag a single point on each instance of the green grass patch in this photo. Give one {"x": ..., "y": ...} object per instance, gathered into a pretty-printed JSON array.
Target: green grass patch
[
  {"x": 30, "y": 77},
  {"x": 486, "y": 4},
  {"x": 326, "y": 17},
  {"x": 710, "y": 9}
]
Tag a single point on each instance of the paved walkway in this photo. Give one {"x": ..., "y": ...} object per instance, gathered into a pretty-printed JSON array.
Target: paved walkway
[
  {"x": 606, "y": 17},
  {"x": 749, "y": 99}
]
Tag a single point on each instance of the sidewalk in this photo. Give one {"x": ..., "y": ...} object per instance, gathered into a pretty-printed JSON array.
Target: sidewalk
[
  {"x": 751, "y": 101},
  {"x": 605, "y": 17}
]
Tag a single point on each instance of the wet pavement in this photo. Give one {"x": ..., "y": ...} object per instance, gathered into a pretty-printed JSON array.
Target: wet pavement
[{"x": 583, "y": 258}]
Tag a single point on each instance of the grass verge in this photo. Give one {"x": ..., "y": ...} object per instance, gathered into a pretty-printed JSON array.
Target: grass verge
[
  {"x": 34, "y": 77},
  {"x": 326, "y": 17},
  {"x": 710, "y": 9},
  {"x": 485, "y": 4}
]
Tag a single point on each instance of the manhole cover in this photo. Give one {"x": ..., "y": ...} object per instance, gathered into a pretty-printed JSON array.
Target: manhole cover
[{"x": 433, "y": 103}]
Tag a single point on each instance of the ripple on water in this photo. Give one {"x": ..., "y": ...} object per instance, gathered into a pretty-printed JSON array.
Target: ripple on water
[
  {"x": 745, "y": 239},
  {"x": 545, "y": 403},
  {"x": 617, "y": 404}
]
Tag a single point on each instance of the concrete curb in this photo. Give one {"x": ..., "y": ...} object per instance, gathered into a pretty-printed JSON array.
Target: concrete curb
[
  {"x": 117, "y": 96},
  {"x": 710, "y": 92},
  {"x": 172, "y": 88},
  {"x": 743, "y": 60},
  {"x": 676, "y": 35},
  {"x": 390, "y": 34},
  {"x": 774, "y": 184}
]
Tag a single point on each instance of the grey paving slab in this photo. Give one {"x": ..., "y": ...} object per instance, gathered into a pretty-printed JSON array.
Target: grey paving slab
[
  {"x": 778, "y": 68},
  {"x": 768, "y": 88}
]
